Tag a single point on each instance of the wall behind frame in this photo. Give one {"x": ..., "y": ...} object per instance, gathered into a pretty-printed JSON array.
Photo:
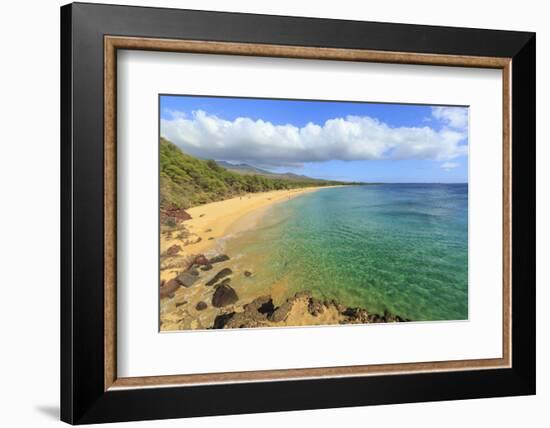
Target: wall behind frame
[{"x": 29, "y": 219}]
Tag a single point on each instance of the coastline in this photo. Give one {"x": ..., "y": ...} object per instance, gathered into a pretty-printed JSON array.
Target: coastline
[
  {"x": 210, "y": 224},
  {"x": 204, "y": 288}
]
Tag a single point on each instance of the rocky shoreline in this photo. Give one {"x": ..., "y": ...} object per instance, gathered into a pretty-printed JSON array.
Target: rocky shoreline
[
  {"x": 201, "y": 296},
  {"x": 261, "y": 312}
]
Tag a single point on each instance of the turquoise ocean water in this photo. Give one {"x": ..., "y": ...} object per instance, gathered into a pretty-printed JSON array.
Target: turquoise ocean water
[{"x": 396, "y": 247}]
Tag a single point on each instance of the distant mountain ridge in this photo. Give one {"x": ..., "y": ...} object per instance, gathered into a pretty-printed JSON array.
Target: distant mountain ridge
[
  {"x": 241, "y": 167},
  {"x": 245, "y": 169}
]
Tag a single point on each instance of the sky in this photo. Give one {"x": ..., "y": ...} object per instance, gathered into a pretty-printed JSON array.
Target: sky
[{"x": 348, "y": 141}]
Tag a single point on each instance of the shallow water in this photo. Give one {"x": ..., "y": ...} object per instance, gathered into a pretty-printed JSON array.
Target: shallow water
[{"x": 396, "y": 247}]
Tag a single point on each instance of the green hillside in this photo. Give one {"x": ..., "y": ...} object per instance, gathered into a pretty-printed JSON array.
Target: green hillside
[{"x": 186, "y": 181}]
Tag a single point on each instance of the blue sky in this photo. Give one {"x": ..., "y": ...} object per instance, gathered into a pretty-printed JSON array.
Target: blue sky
[{"x": 332, "y": 140}]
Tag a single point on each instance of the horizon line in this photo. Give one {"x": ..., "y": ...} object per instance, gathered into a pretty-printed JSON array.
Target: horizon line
[{"x": 395, "y": 182}]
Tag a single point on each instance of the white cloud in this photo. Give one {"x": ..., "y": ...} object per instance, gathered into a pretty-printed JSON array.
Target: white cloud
[
  {"x": 175, "y": 114},
  {"x": 349, "y": 138},
  {"x": 449, "y": 165},
  {"x": 454, "y": 117}
]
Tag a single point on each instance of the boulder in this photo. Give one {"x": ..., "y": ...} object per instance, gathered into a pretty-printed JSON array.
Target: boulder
[
  {"x": 187, "y": 279},
  {"x": 201, "y": 306},
  {"x": 167, "y": 290},
  {"x": 247, "y": 273},
  {"x": 221, "y": 320},
  {"x": 219, "y": 258},
  {"x": 207, "y": 267},
  {"x": 173, "y": 250},
  {"x": 223, "y": 296},
  {"x": 261, "y": 305},
  {"x": 255, "y": 314},
  {"x": 281, "y": 313},
  {"x": 221, "y": 274},
  {"x": 200, "y": 260}
]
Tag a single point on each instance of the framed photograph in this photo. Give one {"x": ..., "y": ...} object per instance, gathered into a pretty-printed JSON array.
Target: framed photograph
[{"x": 291, "y": 213}]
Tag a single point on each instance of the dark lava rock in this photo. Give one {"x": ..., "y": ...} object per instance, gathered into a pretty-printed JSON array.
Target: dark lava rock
[
  {"x": 211, "y": 238},
  {"x": 173, "y": 250},
  {"x": 281, "y": 313},
  {"x": 247, "y": 273},
  {"x": 200, "y": 260},
  {"x": 201, "y": 306},
  {"x": 187, "y": 279},
  {"x": 207, "y": 267},
  {"x": 315, "y": 307},
  {"x": 262, "y": 305},
  {"x": 218, "y": 259},
  {"x": 221, "y": 274},
  {"x": 223, "y": 296},
  {"x": 181, "y": 303},
  {"x": 221, "y": 320},
  {"x": 167, "y": 290},
  {"x": 255, "y": 314}
]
